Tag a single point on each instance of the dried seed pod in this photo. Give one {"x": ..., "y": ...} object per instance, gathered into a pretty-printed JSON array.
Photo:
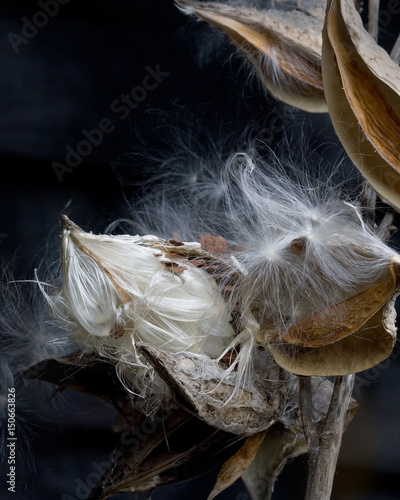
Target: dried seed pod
[
  {"x": 216, "y": 398},
  {"x": 362, "y": 88},
  {"x": 348, "y": 338},
  {"x": 117, "y": 290},
  {"x": 282, "y": 44}
]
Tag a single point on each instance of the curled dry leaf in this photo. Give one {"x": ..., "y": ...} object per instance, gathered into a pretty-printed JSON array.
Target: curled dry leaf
[
  {"x": 350, "y": 337},
  {"x": 234, "y": 467},
  {"x": 279, "y": 444},
  {"x": 362, "y": 89},
  {"x": 282, "y": 44}
]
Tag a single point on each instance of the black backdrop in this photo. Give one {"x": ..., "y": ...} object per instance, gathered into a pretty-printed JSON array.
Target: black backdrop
[{"x": 63, "y": 78}]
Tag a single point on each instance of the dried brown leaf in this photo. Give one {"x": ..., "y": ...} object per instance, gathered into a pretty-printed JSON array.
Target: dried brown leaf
[
  {"x": 234, "y": 467},
  {"x": 366, "y": 348},
  {"x": 279, "y": 444},
  {"x": 330, "y": 325},
  {"x": 283, "y": 45},
  {"x": 362, "y": 88}
]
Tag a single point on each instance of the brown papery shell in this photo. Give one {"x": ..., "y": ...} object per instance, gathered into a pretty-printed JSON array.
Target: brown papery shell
[
  {"x": 350, "y": 337},
  {"x": 290, "y": 39},
  {"x": 362, "y": 90}
]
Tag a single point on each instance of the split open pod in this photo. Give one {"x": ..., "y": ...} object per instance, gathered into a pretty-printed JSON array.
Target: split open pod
[
  {"x": 282, "y": 43},
  {"x": 362, "y": 89},
  {"x": 320, "y": 304},
  {"x": 203, "y": 330},
  {"x": 347, "y": 337}
]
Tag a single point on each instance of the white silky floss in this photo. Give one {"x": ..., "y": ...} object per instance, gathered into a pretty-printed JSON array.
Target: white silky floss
[
  {"x": 302, "y": 247},
  {"x": 118, "y": 290},
  {"x": 293, "y": 249}
]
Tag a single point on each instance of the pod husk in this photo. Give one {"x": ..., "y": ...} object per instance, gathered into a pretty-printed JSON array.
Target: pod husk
[
  {"x": 366, "y": 337},
  {"x": 362, "y": 90},
  {"x": 283, "y": 46}
]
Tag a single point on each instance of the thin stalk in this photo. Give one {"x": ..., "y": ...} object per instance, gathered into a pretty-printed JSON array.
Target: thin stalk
[
  {"x": 324, "y": 437},
  {"x": 395, "y": 53},
  {"x": 368, "y": 204},
  {"x": 386, "y": 229},
  {"x": 373, "y": 18}
]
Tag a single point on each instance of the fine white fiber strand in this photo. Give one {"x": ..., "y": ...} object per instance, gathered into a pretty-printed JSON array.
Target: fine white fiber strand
[
  {"x": 116, "y": 291},
  {"x": 302, "y": 247},
  {"x": 291, "y": 230},
  {"x": 295, "y": 243},
  {"x": 29, "y": 336}
]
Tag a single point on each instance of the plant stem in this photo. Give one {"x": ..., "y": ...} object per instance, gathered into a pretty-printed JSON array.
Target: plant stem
[
  {"x": 395, "y": 53},
  {"x": 324, "y": 437},
  {"x": 373, "y": 18}
]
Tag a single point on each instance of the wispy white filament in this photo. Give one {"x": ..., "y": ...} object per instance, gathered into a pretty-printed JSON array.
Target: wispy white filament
[
  {"x": 302, "y": 246},
  {"x": 118, "y": 290},
  {"x": 28, "y": 336},
  {"x": 293, "y": 246}
]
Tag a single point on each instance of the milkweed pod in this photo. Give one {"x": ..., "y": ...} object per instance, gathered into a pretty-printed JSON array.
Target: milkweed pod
[
  {"x": 362, "y": 89},
  {"x": 119, "y": 289},
  {"x": 282, "y": 44},
  {"x": 216, "y": 398},
  {"x": 349, "y": 337}
]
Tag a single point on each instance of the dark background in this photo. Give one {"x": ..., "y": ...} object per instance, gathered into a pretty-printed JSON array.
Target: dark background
[{"x": 63, "y": 81}]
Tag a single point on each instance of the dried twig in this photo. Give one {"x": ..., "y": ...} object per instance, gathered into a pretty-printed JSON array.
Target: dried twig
[
  {"x": 373, "y": 18},
  {"x": 395, "y": 53},
  {"x": 324, "y": 437},
  {"x": 368, "y": 204},
  {"x": 386, "y": 229}
]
